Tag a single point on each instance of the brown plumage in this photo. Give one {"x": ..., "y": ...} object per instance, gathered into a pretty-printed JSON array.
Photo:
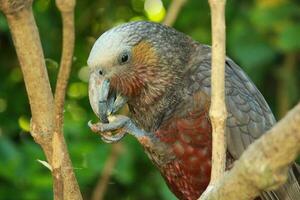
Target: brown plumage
[{"x": 165, "y": 77}]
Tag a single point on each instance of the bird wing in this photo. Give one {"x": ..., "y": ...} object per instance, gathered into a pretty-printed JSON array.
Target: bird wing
[{"x": 249, "y": 116}]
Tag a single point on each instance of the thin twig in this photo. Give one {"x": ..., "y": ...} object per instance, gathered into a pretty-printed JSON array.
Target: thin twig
[
  {"x": 173, "y": 12},
  {"x": 264, "y": 164},
  {"x": 61, "y": 162},
  {"x": 218, "y": 113},
  {"x": 66, "y": 8},
  {"x": 101, "y": 187}
]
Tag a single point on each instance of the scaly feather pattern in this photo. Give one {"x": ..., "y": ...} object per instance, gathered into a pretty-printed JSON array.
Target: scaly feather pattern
[{"x": 188, "y": 134}]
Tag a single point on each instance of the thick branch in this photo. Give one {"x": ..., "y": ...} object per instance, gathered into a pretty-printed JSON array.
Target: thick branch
[
  {"x": 173, "y": 12},
  {"x": 29, "y": 50},
  {"x": 43, "y": 127},
  {"x": 264, "y": 165},
  {"x": 218, "y": 112}
]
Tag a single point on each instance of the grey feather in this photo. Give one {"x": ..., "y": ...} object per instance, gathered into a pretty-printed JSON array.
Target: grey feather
[{"x": 249, "y": 116}]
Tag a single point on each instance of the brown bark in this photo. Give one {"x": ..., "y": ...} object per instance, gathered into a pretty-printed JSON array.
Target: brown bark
[
  {"x": 264, "y": 165},
  {"x": 101, "y": 187},
  {"x": 61, "y": 162},
  {"x": 173, "y": 12},
  {"x": 218, "y": 113},
  {"x": 47, "y": 113},
  {"x": 29, "y": 50}
]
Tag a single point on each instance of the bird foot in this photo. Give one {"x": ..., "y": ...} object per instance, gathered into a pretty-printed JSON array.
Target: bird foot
[{"x": 120, "y": 125}]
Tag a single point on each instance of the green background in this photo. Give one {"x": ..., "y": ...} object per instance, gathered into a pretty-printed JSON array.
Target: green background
[{"x": 263, "y": 37}]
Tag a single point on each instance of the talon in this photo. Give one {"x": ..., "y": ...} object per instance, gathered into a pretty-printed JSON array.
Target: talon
[
  {"x": 113, "y": 138},
  {"x": 93, "y": 127},
  {"x": 90, "y": 124},
  {"x": 106, "y": 140}
]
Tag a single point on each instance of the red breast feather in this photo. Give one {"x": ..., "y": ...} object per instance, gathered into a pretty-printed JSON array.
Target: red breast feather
[{"x": 190, "y": 138}]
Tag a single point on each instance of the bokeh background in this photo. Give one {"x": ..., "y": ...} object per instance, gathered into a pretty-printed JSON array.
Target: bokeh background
[{"x": 263, "y": 37}]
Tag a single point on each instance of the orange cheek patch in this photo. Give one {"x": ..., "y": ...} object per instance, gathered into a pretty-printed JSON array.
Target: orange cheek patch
[
  {"x": 143, "y": 69},
  {"x": 144, "y": 55}
]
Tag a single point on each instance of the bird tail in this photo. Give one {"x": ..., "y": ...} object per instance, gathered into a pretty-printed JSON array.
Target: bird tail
[{"x": 290, "y": 190}]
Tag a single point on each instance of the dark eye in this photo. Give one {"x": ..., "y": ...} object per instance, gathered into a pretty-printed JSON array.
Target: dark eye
[{"x": 124, "y": 57}]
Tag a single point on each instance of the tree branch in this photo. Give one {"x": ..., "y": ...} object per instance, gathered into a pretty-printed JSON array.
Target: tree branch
[
  {"x": 66, "y": 8},
  {"x": 99, "y": 191},
  {"x": 173, "y": 12},
  {"x": 62, "y": 168},
  {"x": 45, "y": 127},
  {"x": 218, "y": 113},
  {"x": 29, "y": 50},
  {"x": 264, "y": 165}
]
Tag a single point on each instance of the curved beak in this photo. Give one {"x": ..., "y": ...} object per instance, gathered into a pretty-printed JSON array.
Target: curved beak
[{"x": 102, "y": 98}]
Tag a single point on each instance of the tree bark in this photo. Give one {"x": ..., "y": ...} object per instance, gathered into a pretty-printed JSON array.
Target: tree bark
[
  {"x": 264, "y": 165},
  {"x": 218, "y": 113},
  {"x": 173, "y": 12},
  {"x": 47, "y": 113},
  {"x": 101, "y": 187}
]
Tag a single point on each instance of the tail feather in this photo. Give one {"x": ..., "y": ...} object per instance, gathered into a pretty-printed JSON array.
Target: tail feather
[
  {"x": 290, "y": 190},
  {"x": 296, "y": 170}
]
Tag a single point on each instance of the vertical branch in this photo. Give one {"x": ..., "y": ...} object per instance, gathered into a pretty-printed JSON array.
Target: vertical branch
[
  {"x": 66, "y": 8},
  {"x": 44, "y": 128},
  {"x": 29, "y": 50},
  {"x": 218, "y": 113},
  {"x": 99, "y": 191},
  {"x": 61, "y": 164},
  {"x": 173, "y": 12}
]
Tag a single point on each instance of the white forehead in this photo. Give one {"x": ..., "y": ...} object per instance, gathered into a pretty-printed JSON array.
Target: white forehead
[{"x": 107, "y": 47}]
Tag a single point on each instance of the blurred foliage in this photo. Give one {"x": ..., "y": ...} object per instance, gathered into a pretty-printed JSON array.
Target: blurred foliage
[{"x": 261, "y": 34}]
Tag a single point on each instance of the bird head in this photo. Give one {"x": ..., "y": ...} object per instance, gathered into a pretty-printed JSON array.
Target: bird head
[{"x": 139, "y": 60}]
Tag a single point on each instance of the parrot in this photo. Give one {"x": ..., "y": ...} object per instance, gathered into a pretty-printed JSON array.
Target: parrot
[{"x": 164, "y": 77}]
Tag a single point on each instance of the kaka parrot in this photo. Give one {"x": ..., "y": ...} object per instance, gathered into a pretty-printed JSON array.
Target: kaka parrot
[{"x": 164, "y": 77}]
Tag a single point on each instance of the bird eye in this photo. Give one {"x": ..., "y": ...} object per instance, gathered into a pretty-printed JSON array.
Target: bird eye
[{"x": 124, "y": 57}]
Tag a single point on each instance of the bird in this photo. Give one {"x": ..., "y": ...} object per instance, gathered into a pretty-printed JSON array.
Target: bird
[{"x": 164, "y": 76}]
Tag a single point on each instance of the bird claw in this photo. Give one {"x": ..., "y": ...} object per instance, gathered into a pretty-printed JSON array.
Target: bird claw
[
  {"x": 112, "y": 138},
  {"x": 109, "y": 103},
  {"x": 119, "y": 125}
]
